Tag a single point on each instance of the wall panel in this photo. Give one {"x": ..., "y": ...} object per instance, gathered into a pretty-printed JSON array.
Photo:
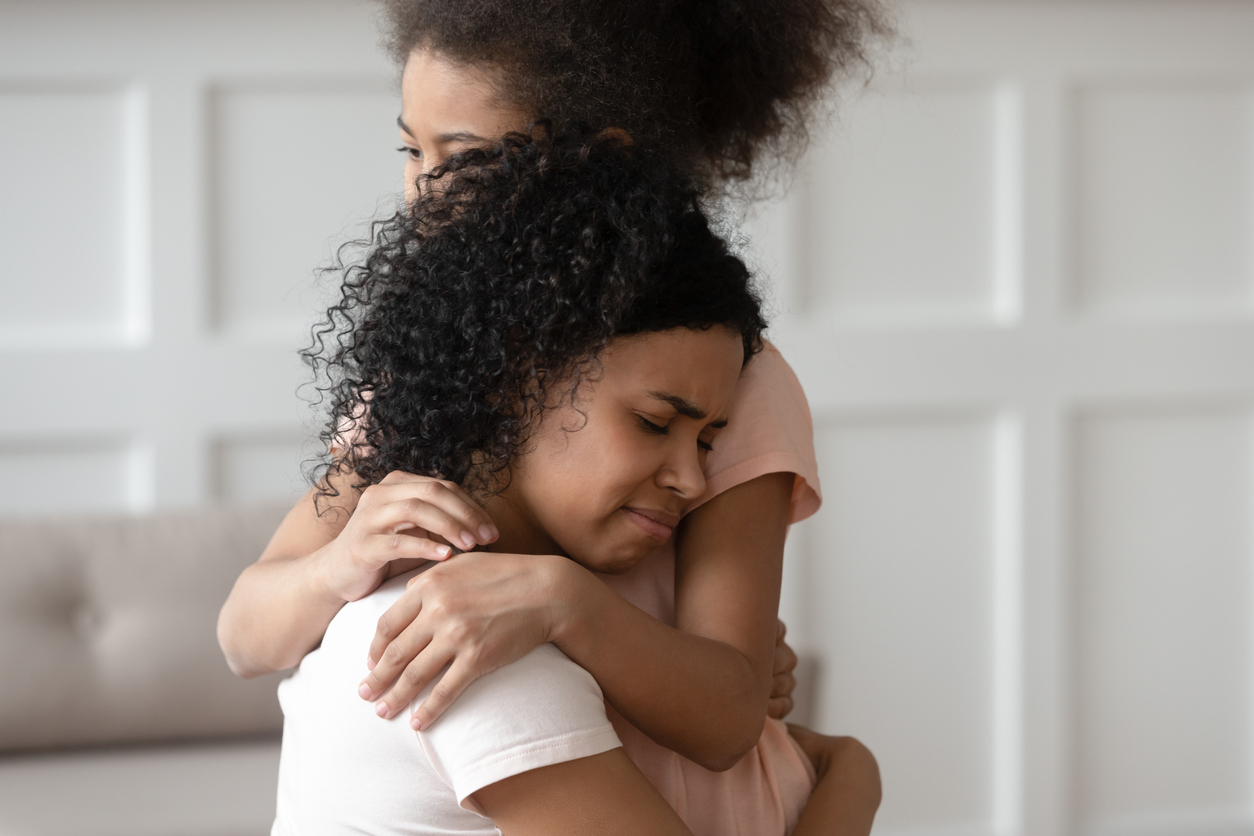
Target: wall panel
[
  {"x": 1166, "y": 187},
  {"x": 904, "y": 555},
  {"x": 41, "y": 477},
  {"x": 905, "y": 203},
  {"x": 1166, "y": 661},
  {"x": 71, "y": 179},
  {"x": 297, "y": 169}
]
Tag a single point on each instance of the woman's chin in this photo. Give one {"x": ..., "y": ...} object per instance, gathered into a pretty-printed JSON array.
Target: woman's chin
[{"x": 615, "y": 561}]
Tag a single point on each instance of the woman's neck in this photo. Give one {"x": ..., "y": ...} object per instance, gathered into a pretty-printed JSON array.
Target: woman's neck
[{"x": 520, "y": 532}]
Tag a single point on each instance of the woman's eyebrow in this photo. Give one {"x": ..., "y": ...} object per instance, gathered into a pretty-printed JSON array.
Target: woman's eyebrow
[
  {"x": 400, "y": 121},
  {"x": 686, "y": 408}
]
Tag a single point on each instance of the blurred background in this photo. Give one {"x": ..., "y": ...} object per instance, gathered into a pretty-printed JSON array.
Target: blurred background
[{"x": 1015, "y": 276}]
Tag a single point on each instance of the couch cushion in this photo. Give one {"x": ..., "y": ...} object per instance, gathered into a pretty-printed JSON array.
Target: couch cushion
[
  {"x": 201, "y": 789},
  {"x": 107, "y": 629}
]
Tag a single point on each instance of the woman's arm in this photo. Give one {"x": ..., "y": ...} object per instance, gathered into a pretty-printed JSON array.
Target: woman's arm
[
  {"x": 602, "y": 795},
  {"x": 700, "y": 690},
  {"x": 280, "y": 606}
]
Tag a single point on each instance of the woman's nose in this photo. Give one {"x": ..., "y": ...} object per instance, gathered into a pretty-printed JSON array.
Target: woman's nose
[{"x": 682, "y": 473}]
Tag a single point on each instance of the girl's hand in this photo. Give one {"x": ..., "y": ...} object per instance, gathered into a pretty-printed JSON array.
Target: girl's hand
[
  {"x": 782, "y": 680},
  {"x": 474, "y": 613},
  {"x": 397, "y": 524}
]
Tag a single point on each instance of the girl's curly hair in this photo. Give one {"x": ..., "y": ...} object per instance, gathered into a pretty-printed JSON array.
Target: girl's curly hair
[
  {"x": 717, "y": 84},
  {"x": 488, "y": 300}
]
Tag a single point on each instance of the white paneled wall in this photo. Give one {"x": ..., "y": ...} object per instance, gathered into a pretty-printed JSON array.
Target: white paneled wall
[
  {"x": 171, "y": 175},
  {"x": 1016, "y": 279},
  {"x": 1017, "y": 282}
]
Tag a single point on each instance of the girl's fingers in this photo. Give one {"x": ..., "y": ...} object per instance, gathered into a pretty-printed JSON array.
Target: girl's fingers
[
  {"x": 384, "y": 548},
  {"x": 411, "y": 512},
  {"x": 777, "y": 708},
  {"x": 782, "y": 685},
  {"x": 409, "y": 661},
  {"x": 785, "y": 659},
  {"x": 435, "y": 506},
  {"x": 398, "y": 618},
  {"x": 459, "y": 675},
  {"x": 425, "y": 667}
]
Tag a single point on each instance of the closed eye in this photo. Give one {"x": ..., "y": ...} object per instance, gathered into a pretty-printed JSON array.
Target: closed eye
[{"x": 649, "y": 426}]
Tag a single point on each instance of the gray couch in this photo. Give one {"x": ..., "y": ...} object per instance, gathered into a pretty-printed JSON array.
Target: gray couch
[{"x": 118, "y": 714}]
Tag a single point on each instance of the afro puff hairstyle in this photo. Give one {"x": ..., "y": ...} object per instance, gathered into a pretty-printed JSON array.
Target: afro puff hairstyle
[
  {"x": 488, "y": 300},
  {"x": 719, "y": 85}
]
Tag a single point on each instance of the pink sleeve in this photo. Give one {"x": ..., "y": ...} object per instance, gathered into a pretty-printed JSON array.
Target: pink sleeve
[{"x": 769, "y": 430}]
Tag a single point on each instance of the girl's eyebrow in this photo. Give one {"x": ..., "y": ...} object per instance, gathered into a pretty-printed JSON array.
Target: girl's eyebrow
[
  {"x": 686, "y": 408},
  {"x": 442, "y": 139},
  {"x": 458, "y": 136}
]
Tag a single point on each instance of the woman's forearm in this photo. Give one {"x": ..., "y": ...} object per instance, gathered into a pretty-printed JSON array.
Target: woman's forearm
[
  {"x": 277, "y": 612},
  {"x": 697, "y": 696}
]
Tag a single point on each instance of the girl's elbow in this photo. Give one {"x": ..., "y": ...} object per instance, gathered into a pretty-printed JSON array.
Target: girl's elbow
[
  {"x": 238, "y": 661},
  {"x": 732, "y": 748}
]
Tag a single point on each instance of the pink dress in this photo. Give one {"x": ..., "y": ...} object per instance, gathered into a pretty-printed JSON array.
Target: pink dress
[{"x": 769, "y": 431}]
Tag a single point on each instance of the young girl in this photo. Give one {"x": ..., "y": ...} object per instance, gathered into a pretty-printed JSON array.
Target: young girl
[
  {"x": 556, "y": 330},
  {"x": 714, "y": 86}
]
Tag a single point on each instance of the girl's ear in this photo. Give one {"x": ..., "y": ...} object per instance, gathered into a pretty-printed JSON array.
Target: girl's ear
[{"x": 615, "y": 133}]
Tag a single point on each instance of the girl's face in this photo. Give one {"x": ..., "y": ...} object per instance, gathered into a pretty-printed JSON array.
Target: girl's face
[
  {"x": 448, "y": 107},
  {"x": 606, "y": 480}
]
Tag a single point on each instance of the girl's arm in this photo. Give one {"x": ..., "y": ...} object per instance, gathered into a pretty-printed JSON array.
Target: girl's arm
[
  {"x": 700, "y": 689},
  {"x": 280, "y": 606},
  {"x": 603, "y": 795}
]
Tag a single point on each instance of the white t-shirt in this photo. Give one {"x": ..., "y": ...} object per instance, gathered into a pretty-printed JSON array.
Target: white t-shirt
[{"x": 345, "y": 770}]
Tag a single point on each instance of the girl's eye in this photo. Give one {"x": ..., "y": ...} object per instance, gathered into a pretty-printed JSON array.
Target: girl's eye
[
  {"x": 705, "y": 445},
  {"x": 414, "y": 153},
  {"x": 649, "y": 426}
]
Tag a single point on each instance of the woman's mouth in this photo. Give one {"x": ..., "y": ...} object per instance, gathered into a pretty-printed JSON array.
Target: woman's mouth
[{"x": 659, "y": 525}]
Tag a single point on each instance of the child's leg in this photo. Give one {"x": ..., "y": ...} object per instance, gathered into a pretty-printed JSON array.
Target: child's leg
[{"x": 848, "y": 790}]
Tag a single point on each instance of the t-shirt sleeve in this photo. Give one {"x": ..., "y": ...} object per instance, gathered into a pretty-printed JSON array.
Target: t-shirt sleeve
[
  {"x": 769, "y": 430},
  {"x": 538, "y": 711}
]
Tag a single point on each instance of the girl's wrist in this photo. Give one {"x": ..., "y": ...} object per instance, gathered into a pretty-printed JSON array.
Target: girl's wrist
[
  {"x": 566, "y": 597},
  {"x": 572, "y": 590},
  {"x": 319, "y": 577}
]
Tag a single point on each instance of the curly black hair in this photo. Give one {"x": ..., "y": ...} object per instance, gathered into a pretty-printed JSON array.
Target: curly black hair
[
  {"x": 488, "y": 300},
  {"x": 717, "y": 84}
]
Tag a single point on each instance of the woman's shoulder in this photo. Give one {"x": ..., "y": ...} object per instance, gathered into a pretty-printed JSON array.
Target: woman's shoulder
[{"x": 769, "y": 430}]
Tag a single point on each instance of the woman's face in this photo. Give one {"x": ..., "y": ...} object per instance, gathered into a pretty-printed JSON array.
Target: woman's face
[
  {"x": 605, "y": 480},
  {"x": 448, "y": 107}
]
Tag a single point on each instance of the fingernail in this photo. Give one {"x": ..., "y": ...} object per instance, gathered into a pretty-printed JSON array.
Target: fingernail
[
  {"x": 443, "y": 551},
  {"x": 363, "y": 691},
  {"x": 415, "y": 723},
  {"x": 485, "y": 534},
  {"x": 468, "y": 540},
  {"x": 370, "y": 663},
  {"x": 381, "y": 708}
]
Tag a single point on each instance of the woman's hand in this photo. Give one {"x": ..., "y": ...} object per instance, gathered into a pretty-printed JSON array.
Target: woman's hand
[
  {"x": 782, "y": 680},
  {"x": 474, "y": 613},
  {"x": 397, "y": 524}
]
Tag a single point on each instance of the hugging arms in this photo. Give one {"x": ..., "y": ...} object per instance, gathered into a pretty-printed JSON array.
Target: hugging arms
[
  {"x": 578, "y": 386},
  {"x": 684, "y": 651}
]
